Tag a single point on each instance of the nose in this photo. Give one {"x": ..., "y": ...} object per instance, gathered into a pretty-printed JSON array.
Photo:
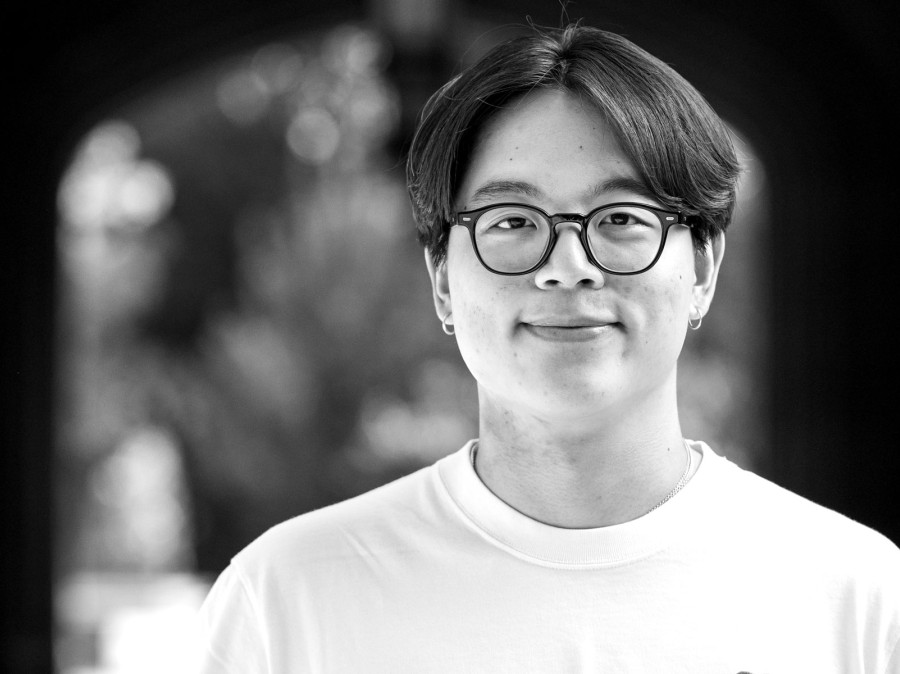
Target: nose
[{"x": 568, "y": 265}]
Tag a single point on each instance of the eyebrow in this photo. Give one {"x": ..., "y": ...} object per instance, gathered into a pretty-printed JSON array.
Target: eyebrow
[
  {"x": 495, "y": 188},
  {"x": 624, "y": 184}
]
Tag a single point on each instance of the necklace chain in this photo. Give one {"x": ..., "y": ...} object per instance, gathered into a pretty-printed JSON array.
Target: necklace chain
[{"x": 685, "y": 476}]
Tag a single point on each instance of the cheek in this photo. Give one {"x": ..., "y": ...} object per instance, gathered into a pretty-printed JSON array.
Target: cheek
[
  {"x": 481, "y": 301},
  {"x": 481, "y": 310},
  {"x": 479, "y": 332},
  {"x": 474, "y": 323},
  {"x": 484, "y": 315},
  {"x": 662, "y": 306}
]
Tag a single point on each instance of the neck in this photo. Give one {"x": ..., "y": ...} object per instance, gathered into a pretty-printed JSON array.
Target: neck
[{"x": 583, "y": 471}]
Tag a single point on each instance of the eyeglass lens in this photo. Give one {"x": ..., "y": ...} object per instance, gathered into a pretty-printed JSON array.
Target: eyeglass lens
[{"x": 514, "y": 238}]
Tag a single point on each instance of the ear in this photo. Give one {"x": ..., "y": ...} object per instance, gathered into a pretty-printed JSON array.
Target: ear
[
  {"x": 706, "y": 271},
  {"x": 440, "y": 286}
]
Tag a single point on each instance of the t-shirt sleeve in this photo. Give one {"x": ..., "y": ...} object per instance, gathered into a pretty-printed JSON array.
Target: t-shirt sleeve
[{"x": 231, "y": 637}]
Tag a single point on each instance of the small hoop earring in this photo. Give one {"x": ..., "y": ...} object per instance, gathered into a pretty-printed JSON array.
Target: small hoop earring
[
  {"x": 447, "y": 327},
  {"x": 694, "y": 323}
]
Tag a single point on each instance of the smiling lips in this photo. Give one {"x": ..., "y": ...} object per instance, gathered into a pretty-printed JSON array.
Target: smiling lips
[{"x": 569, "y": 329}]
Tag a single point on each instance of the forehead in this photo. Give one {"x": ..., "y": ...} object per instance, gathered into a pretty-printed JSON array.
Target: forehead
[{"x": 555, "y": 147}]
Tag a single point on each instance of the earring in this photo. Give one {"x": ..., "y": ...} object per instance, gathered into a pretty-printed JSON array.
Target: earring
[
  {"x": 694, "y": 323},
  {"x": 447, "y": 327}
]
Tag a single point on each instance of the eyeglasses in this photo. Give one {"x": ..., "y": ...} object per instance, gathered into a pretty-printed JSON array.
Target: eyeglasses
[{"x": 622, "y": 238}]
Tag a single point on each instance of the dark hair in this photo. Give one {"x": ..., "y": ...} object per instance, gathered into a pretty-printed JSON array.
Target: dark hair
[{"x": 677, "y": 143}]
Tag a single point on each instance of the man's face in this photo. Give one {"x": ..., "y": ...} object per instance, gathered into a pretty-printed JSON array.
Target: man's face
[{"x": 567, "y": 339}]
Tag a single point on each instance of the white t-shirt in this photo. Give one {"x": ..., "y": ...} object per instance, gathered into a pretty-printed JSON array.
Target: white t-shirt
[{"x": 433, "y": 573}]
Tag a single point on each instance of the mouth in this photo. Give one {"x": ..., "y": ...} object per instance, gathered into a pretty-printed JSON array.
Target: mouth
[{"x": 579, "y": 330}]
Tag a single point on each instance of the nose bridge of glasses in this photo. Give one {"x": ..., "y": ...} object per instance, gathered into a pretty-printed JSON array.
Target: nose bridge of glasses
[
  {"x": 575, "y": 219},
  {"x": 572, "y": 245},
  {"x": 575, "y": 222}
]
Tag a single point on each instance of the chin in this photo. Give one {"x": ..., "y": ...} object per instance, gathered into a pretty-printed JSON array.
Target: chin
[{"x": 564, "y": 396}]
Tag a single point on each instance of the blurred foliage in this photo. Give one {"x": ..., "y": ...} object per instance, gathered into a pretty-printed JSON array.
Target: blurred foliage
[
  {"x": 247, "y": 330},
  {"x": 274, "y": 317}
]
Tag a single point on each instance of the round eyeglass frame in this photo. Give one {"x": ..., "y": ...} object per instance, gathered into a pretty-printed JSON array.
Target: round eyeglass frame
[{"x": 668, "y": 219}]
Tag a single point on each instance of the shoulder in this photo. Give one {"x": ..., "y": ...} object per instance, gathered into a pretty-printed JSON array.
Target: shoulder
[
  {"x": 758, "y": 507},
  {"x": 373, "y": 520}
]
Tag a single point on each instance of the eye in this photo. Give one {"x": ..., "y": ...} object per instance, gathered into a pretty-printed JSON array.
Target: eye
[
  {"x": 621, "y": 218},
  {"x": 625, "y": 217},
  {"x": 509, "y": 219},
  {"x": 513, "y": 222}
]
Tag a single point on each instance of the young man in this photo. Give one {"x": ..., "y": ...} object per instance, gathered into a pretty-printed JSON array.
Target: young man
[{"x": 572, "y": 193}]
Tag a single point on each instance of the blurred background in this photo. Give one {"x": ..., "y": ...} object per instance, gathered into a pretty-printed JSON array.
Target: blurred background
[{"x": 219, "y": 318}]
